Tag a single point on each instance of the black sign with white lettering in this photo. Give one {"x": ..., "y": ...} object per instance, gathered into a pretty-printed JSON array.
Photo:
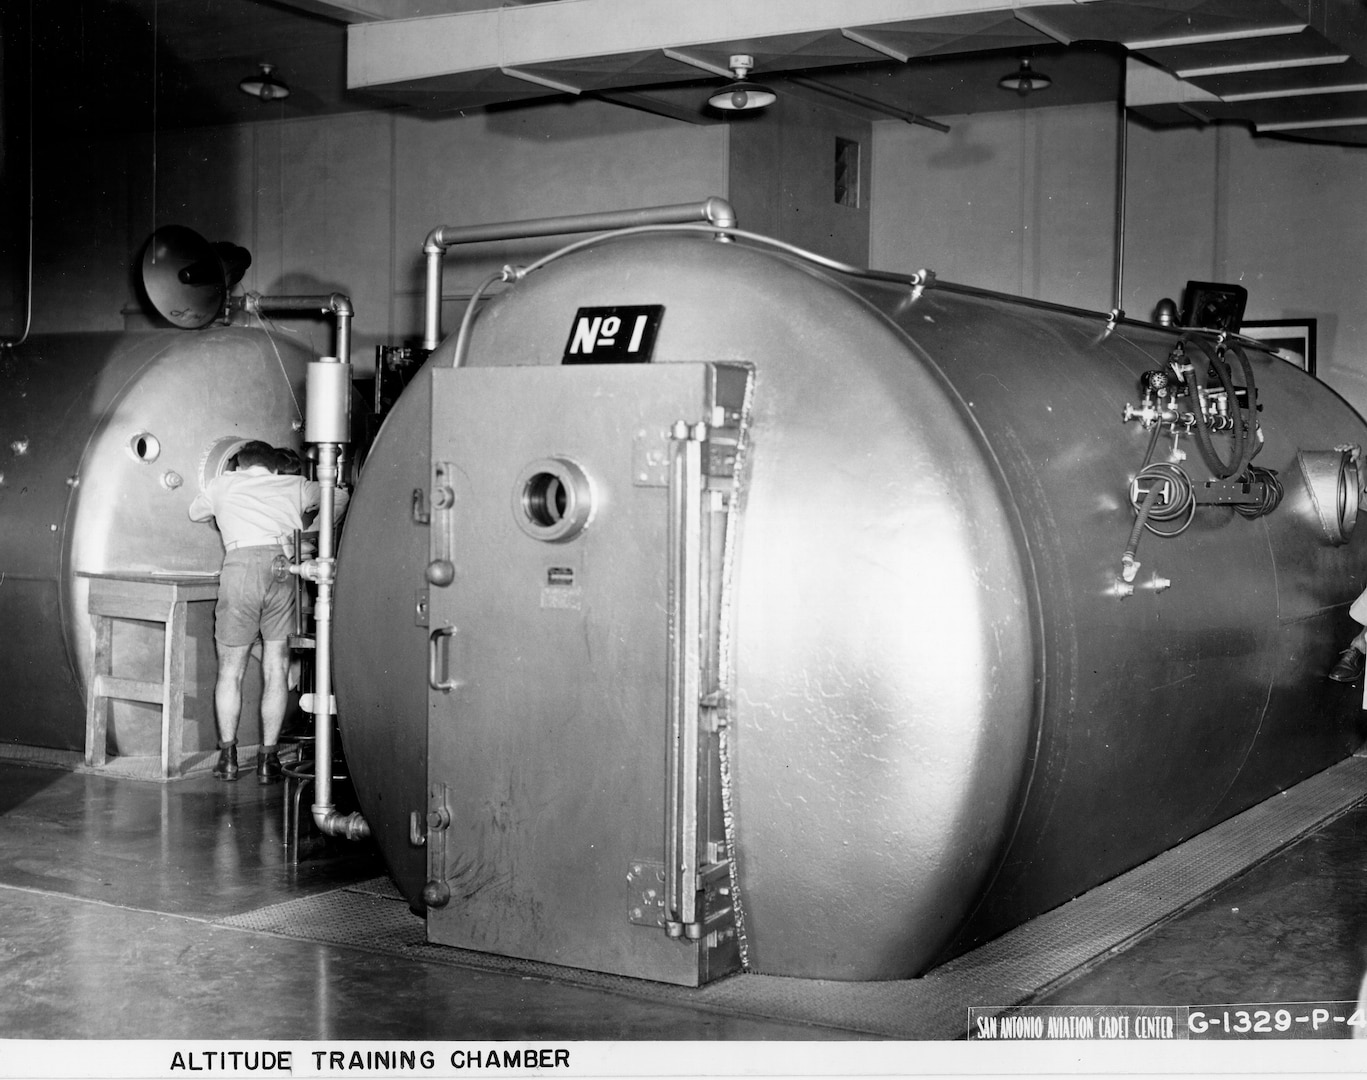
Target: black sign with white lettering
[{"x": 613, "y": 335}]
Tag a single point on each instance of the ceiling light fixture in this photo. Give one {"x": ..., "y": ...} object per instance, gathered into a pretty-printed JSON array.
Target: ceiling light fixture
[
  {"x": 264, "y": 85},
  {"x": 1025, "y": 79},
  {"x": 742, "y": 96}
]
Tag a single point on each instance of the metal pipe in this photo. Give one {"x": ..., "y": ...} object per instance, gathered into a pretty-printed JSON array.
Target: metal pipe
[
  {"x": 325, "y": 814},
  {"x": 1122, "y": 185},
  {"x": 338, "y": 304},
  {"x": 869, "y": 103},
  {"x": 714, "y": 210},
  {"x": 325, "y": 428}
]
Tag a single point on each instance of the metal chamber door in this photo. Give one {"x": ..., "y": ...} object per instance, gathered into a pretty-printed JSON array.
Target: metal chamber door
[{"x": 579, "y": 517}]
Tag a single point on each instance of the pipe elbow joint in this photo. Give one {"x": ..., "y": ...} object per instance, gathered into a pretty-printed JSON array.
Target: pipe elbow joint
[
  {"x": 348, "y": 826},
  {"x": 435, "y": 244},
  {"x": 719, "y": 212},
  {"x": 340, "y": 304}
]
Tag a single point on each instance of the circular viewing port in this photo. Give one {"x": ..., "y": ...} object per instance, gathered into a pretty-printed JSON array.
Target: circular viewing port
[
  {"x": 552, "y": 499},
  {"x": 213, "y": 461},
  {"x": 145, "y": 447},
  {"x": 545, "y": 498}
]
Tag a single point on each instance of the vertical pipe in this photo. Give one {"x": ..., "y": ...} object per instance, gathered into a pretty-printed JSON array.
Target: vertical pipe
[
  {"x": 322, "y": 654},
  {"x": 1122, "y": 185},
  {"x": 342, "y": 313},
  {"x": 327, "y": 427}
]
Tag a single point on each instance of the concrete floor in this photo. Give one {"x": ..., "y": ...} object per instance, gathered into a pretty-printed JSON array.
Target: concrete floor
[
  {"x": 114, "y": 897},
  {"x": 111, "y": 891},
  {"x": 1291, "y": 929}
]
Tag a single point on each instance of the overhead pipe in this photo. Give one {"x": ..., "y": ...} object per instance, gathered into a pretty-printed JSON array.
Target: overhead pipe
[
  {"x": 714, "y": 211},
  {"x": 337, "y": 304}
]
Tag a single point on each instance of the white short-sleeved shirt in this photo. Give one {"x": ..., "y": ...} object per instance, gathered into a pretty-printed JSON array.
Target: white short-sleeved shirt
[{"x": 254, "y": 507}]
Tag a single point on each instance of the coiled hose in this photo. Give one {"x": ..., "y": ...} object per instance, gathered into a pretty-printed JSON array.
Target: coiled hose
[
  {"x": 1245, "y": 441},
  {"x": 1271, "y": 495},
  {"x": 1182, "y": 501}
]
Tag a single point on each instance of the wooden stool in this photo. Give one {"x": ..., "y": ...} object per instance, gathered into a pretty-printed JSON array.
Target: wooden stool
[{"x": 149, "y": 598}]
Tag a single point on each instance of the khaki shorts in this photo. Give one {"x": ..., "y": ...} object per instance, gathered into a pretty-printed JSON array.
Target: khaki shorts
[{"x": 250, "y": 599}]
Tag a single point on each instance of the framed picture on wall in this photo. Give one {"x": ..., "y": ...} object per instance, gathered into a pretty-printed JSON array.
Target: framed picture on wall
[{"x": 1291, "y": 339}]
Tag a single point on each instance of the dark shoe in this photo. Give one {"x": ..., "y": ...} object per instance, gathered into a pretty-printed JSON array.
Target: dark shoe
[
  {"x": 226, "y": 769},
  {"x": 268, "y": 768},
  {"x": 1348, "y": 667}
]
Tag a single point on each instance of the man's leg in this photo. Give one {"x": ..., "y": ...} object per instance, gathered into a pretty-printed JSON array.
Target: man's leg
[
  {"x": 275, "y": 663},
  {"x": 232, "y": 665}
]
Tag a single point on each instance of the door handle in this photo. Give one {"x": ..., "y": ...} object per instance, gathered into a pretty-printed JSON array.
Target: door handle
[{"x": 435, "y": 653}]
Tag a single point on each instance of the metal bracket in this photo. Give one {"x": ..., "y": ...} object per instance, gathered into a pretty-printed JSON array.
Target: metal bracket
[
  {"x": 436, "y": 893},
  {"x": 1230, "y": 493},
  {"x": 650, "y": 458},
  {"x": 646, "y": 897},
  {"x": 645, "y": 893}
]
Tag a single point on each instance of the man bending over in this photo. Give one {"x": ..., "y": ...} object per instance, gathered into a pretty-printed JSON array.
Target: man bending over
[{"x": 258, "y": 506}]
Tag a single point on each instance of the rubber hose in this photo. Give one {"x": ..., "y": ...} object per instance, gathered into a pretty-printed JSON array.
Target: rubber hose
[
  {"x": 1141, "y": 519},
  {"x": 1251, "y": 410},
  {"x": 1220, "y": 468}
]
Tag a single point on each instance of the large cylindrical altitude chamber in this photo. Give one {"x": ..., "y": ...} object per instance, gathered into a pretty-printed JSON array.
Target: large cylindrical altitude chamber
[
  {"x": 106, "y": 439},
  {"x": 721, "y": 608}
]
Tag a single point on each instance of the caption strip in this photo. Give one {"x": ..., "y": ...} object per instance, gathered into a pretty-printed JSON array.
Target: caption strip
[{"x": 1161, "y": 1023}]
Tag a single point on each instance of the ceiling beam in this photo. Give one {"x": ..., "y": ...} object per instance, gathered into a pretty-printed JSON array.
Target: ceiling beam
[
  {"x": 869, "y": 41},
  {"x": 527, "y": 36},
  {"x": 1175, "y": 41},
  {"x": 1314, "y": 90},
  {"x": 541, "y": 80},
  {"x": 698, "y": 62},
  {"x": 354, "y": 11},
  {"x": 1261, "y": 65},
  {"x": 1311, "y": 125}
]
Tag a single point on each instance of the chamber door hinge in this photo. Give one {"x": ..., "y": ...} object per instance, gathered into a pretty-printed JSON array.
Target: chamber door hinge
[{"x": 436, "y": 893}]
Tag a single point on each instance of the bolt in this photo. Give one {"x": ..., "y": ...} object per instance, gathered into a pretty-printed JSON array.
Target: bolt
[{"x": 637, "y": 913}]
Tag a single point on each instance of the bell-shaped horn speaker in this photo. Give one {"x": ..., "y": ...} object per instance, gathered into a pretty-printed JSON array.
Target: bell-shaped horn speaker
[{"x": 187, "y": 278}]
